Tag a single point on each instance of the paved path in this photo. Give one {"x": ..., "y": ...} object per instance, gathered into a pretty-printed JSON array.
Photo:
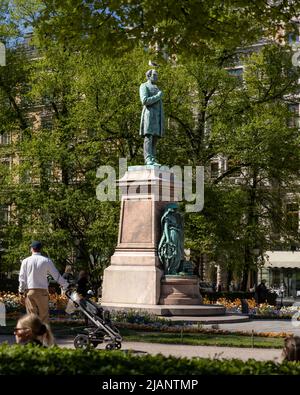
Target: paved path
[
  {"x": 263, "y": 326},
  {"x": 177, "y": 350},
  {"x": 255, "y": 325}
]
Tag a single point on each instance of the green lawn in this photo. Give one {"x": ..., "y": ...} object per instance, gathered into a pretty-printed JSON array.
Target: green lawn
[
  {"x": 203, "y": 339},
  {"x": 200, "y": 339}
]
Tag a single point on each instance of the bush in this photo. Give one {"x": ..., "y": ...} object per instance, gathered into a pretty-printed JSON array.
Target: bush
[
  {"x": 26, "y": 360},
  {"x": 138, "y": 317}
]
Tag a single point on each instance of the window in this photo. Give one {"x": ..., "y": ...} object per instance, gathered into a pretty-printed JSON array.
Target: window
[
  {"x": 236, "y": 173},
  {"x": 46, "y": 122},
  {"x": 5, "y": 138},
  {"x": 76, "y": 176},
  {"x": 5, "y": 165},
  {"x": 25, "y": 171},
  {"x": 293, "y": 38},
  {"x": 214, "y": 169},
  {"x": 4, "y": 214},
  {"x": 236, "y": 72},
  {"x": 294, "y": 118},
  {"x": 292, "y": 216}
]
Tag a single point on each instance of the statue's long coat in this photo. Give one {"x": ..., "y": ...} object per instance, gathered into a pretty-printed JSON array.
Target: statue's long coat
[{"x": 152, "y": 119}]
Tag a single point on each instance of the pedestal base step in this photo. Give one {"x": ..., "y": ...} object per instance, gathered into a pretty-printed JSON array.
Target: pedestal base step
[{"x": 170, "y": 310}]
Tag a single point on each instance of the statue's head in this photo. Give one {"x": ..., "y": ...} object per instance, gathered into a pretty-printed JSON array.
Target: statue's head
[{"x": 152, "y": 75}]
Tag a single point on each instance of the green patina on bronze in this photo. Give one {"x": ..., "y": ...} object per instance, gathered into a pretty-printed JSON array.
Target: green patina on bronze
[
  {"x": 171, "y": 245},
  {"x": 152, "y": 119}
]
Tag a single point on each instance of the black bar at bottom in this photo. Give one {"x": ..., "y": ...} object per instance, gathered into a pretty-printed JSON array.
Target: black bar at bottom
[{"x": 142, "y": 384}]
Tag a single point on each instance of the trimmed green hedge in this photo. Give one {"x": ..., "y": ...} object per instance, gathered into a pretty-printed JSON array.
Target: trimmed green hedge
[{"x": 34, "y": 360}]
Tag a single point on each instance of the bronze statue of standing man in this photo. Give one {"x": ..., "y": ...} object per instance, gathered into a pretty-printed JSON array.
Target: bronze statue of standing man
[{"x": 152, "y": 119}]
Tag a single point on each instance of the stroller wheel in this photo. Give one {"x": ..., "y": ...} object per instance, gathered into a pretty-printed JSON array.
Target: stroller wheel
[
  {"x": 94, "y": 344},
  {"x": 113, "y": 346},
  {"x": 81, "y": 341},
  {"x": 109, "y": 346},
  {"x": 117, "y": 345}
]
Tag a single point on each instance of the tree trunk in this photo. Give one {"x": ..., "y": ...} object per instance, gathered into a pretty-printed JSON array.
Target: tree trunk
[
  {"x": 250, "y": 238},
  {"x": 246, "y": 268}
]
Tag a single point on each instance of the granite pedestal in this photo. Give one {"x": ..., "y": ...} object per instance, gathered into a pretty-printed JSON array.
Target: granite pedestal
[
  {"x": 180, "y": 290},
  {"x": 135, "y": 279},
  {"x": 135, "y": 273}
]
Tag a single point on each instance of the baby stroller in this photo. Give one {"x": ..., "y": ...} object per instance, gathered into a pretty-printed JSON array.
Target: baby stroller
[{"x": 102, "y": 329}]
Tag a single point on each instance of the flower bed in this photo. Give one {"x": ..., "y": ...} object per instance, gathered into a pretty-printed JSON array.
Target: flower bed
[
  {"x": 58, "y": 303},
  {"x": 262, "y": 310},
  {"x": 139, "y": 318},
  {"x": 196, "y": 329},
  {"x": 12, "y": 302},
  {"x": 144, "y": 321}
]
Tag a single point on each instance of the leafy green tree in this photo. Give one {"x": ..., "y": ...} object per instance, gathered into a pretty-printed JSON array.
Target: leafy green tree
[
  {"x": 247, "y": 121},
  {"x": 80, "y": 113},
  {"x": 76, "y": 107},
  {"x": 260, "y": 143},
  {"x": 175, "y": 25}
]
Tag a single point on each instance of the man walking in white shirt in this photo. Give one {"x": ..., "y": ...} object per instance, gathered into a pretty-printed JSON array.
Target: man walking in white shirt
[{"x": 33, "y": 281}]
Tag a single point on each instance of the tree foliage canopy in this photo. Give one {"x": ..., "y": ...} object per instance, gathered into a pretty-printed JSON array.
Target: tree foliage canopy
[{"x": 69, "y": 98}]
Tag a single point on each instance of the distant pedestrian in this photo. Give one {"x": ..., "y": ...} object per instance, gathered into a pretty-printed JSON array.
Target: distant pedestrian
[
  {"x": 33, "y": 281},
  {"x": 83, "y": 287},
  {"x": 83, "y": 283},
  {"x": 68, "y": 275},
  {"x": 261, "y": 292}
]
